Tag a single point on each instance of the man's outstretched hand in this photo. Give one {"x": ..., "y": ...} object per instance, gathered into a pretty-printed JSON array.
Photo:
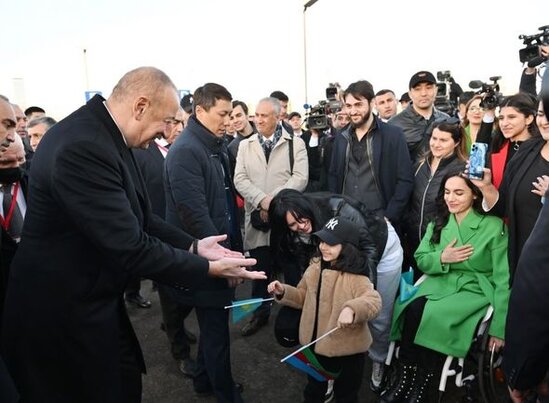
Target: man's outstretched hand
[
  {"x": 211, "y": 249},
  {"x": 231, "y": 267}
]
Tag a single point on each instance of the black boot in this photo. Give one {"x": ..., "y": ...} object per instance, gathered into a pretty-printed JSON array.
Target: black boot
[
  {"x": 404, "y": 381},
  {"x": 419, "y": 393}
]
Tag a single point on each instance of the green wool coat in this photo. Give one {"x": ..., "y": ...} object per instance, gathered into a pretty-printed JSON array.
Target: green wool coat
[{"x": 458, "y": 294}]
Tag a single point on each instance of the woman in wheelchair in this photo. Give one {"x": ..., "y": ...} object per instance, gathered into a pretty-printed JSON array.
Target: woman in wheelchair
[{"x": 464, "y": 254}]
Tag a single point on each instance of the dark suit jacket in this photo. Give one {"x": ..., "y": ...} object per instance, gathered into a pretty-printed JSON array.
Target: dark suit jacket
[
  {"x": 151, "y": 166},
  {"x": 526, "y": 353},
  {"x": 88, "y": 230}
]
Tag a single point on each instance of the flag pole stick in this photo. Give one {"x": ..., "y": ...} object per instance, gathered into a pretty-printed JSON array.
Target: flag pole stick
[
  {"x": 249, "y": 302},
  {"x": 310, "y": 344}
]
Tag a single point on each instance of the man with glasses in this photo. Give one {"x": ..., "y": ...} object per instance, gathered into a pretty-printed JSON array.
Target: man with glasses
[{"x": 418, "y": 118}]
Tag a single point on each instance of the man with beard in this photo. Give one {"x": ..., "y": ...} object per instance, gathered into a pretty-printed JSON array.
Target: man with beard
[
  {"x": 418, "y": 118},
  {"x": 382, "y": 184}
]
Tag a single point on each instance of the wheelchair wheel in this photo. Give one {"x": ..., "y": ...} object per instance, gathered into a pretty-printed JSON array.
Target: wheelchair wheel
[{"x": 491, "y": 380}]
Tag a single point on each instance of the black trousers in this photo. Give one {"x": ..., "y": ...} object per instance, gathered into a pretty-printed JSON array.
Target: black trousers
[
  {"x": 173, "y": 315},
  {"x": 259, "y": 287},
  {"x": 346, "y": 385},
  {"x": 214, "y": 357},
  {"x": 411, "y": 353}
]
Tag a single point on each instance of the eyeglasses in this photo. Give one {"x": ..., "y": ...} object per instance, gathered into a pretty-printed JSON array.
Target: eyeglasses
[
  {"x": 172, "y": 121},
  {"x": 476, "y": 109}
]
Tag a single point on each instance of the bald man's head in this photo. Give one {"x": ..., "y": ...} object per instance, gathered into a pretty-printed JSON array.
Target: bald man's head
[{"x": 142, "y": 102}]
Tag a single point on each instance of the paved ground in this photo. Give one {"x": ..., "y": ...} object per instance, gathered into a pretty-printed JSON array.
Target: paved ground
[{"x": 255, "y": 362}]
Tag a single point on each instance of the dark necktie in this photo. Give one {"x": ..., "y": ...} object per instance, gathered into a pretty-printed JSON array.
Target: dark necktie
[
  {"x": 267, "y": 146},
  {"x": 16, "y": 222}
]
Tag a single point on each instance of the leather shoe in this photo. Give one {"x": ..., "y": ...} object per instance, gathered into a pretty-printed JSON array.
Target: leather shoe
[
  {"x": 138, "y": 301},
  {"x": 188, "y": 367},
  {"x": 253, "y": 326}
]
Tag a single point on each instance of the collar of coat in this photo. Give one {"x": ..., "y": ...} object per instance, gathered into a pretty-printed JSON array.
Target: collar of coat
[
  {"x": 468, "y": 227},
  {"x": 285, "y": 135},
  {"x": 206, "y": 137}
]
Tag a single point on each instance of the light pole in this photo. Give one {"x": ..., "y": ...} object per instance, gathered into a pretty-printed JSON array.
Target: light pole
[{"x": 305, "y": 7}]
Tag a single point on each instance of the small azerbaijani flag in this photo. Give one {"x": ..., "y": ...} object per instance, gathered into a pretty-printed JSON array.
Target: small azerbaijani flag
[
  {"x": 305, "y": 360},
  {"x": 244, "y": 307}
]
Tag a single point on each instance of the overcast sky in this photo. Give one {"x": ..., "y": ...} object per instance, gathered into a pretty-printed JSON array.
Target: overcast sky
[{"x": 255, "y": 46}]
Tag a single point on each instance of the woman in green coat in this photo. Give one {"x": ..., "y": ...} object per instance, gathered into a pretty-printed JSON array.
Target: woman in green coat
[{"x": 465, "y": 255}]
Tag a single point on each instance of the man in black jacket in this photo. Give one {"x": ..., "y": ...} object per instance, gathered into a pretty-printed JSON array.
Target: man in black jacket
[
  {"x": 201, "y": 199},
  {"x": 370, "y": 160},
  {"x": 418, "y": 118},
  {"x": 88, "y": 231}
]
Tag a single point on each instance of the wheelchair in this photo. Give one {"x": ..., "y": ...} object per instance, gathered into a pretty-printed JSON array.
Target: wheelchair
[{"x": 479, "y": 373}]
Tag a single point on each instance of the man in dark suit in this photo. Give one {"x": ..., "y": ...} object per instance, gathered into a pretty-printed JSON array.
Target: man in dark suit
[
  {"x": 151, "y": 165},
  {"x": 8, "y": 393},
  {"x": 13, "y": 194},
  {"x": 88, "y": 231}
]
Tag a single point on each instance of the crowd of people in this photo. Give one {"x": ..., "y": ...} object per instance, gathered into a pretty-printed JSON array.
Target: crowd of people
[{"x": 198, "y": 196}]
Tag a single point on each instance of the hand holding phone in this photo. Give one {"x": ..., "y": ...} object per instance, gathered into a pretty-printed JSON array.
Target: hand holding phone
[{"x": 477, "y": 160}]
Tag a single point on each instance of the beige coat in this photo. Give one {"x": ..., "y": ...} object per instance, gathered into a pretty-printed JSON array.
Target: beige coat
[
  {"x": 338, "y": 290},
  {"x": 254, "y": 178}
]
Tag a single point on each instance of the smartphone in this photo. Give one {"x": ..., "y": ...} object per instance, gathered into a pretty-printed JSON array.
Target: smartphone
[{"x": 477, "y": 160}]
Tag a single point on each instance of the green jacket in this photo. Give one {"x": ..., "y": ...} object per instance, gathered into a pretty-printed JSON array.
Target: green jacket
[{"x": 459, "y": 293}]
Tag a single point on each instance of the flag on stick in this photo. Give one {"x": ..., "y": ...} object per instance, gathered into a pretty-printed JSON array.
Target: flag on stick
[
  {"x": 305, "y": 360},
  {"x": 244, "y": 307}
]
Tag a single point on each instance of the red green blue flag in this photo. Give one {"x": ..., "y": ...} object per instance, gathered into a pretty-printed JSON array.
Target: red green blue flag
[{"x": 305, "y": 360}]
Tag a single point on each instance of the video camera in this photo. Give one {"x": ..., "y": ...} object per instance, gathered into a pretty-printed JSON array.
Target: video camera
[
  {"x": 317, "y": 116},
  {"x": 491, "y": 97},
  {"x": 530, "y": 53},
  {"x": 448, "y": 92}
]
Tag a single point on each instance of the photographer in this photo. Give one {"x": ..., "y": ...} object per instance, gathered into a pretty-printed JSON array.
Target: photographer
[{"x": 535, "y": 55}]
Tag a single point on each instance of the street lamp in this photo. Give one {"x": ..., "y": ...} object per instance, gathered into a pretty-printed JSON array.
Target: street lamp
[{"x": 305, "y": 7}]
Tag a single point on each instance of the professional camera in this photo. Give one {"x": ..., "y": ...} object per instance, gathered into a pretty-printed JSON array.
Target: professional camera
[
  {"x": 491, "y": 97},
  {"x": 530, "y": 53},
  {"x": 448, "y": 92},
  {"x": 317, "y": 116}
]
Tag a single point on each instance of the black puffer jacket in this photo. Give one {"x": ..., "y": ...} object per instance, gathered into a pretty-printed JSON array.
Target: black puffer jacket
[
  {"x": 422, "y": 205},
  {"x": 196, "y": 199}
]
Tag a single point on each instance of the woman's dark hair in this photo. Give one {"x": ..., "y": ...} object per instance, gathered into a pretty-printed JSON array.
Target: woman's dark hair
[
  {"x": 442, "y": 213},
  {"x": 524, "y": 103}
]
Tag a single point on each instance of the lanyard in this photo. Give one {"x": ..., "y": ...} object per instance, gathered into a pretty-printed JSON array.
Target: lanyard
[{"x": 5, "y": 222}]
